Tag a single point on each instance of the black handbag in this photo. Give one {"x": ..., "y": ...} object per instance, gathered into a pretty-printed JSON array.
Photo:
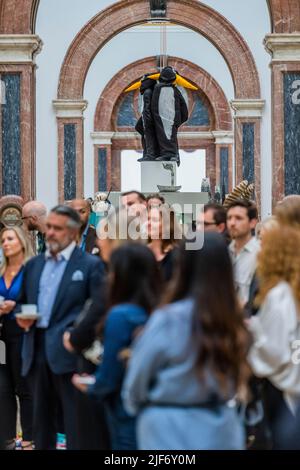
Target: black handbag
[
  {"x": 258, "y": 432},
  {"x": 94, "y": 352}
]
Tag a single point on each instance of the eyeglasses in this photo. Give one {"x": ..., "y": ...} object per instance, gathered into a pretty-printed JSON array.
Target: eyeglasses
[{"x": 206, "y": 224}]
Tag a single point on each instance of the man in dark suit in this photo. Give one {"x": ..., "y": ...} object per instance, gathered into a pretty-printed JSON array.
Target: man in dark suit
[
  {"x": 87, "y": 233},
  {"x": 59, "y": 282}
]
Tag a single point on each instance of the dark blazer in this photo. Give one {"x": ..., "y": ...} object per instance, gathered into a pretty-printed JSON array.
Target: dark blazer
[
  {"x": 90, "y": 241},
  {"x": 85, "y": 331},
  {"x": 70, "y": 299}
]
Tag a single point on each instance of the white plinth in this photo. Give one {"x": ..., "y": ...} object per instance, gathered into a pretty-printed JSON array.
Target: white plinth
[
  {"x": 188, "y": 201},
  {"x": 153, "y": 173}
]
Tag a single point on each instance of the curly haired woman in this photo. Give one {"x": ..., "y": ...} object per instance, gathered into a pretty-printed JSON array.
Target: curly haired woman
[{"x": 277, "y": 324}]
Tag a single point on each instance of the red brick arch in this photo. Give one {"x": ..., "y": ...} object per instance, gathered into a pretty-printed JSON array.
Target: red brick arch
[
  {"x": 285, "y": 16},
  {"x": 18, "y": 16},
  {"x": 129, "y": 74},
  {"x": 127, "y": 13}
]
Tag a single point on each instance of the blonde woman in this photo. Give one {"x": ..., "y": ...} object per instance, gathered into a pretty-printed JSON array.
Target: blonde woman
[
  {"x": 267, "y": 224},
  {"x": 276, "y": 327},
  {"x": 287, "y": 211},
  {"x": 16, "y": 251}
]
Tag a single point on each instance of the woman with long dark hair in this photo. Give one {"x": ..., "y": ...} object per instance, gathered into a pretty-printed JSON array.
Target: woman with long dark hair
[
  {"x": 190, "y": 361},
  {"x": 133, "y": 286},
  {"x": 164, "y": 235},
  {"x": 113, "y": 231}
]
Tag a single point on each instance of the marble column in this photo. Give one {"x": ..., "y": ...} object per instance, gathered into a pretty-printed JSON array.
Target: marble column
[
  {"x": 17, "y": 117},
  {"x": 224, "y": 173},
  {"x": 285, "y": 67},
  {"x": 116, "y": 169},
  {"x": 69, "y": 116},
  {"x": 103, "y": 160},
  {"x": 247, "y": 128},
  {"x": 211, "y": 166}
]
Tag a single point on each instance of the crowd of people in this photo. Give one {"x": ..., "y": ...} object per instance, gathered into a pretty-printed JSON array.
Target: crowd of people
[{"x": 140, "y": 343}]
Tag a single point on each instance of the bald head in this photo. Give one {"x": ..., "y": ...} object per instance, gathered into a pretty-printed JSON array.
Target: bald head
[
  {"x": 288, "y": 210},
  {"x": 34, "y": 216},
  {"x": 82, "y": 206}
]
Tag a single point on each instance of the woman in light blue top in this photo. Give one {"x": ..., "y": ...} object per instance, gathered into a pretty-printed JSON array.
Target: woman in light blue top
[
  {"x": 190, "y": 361},
  {"x": 133, "y": 288}
]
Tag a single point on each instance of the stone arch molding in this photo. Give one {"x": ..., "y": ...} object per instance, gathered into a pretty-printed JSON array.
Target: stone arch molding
[
  {"x": 18, "y": 16},
  {"x": 128, "y": 13},
  {"x": 285, "y": 16},
  {"x": 130, "y": 73}
]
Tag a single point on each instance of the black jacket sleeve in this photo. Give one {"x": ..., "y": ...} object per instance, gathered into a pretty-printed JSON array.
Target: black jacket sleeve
[
  {"x": 184, "y": 113},
  {"x": 22, "y": 297},
  {"x": 139, "y": 126},
  {"x": 147, "y": 113},
  {"x": 84, "y": 332}
]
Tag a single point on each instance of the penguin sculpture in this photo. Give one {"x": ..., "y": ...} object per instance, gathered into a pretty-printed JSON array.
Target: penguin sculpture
[
  {"x": 145, "y": 125},
  {"x": 168, "y": 111}
]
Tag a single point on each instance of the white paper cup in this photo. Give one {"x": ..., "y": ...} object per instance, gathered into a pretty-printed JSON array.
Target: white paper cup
[
  {"x": 1, "y": 299},
  {"x": 29, "y": 308}
]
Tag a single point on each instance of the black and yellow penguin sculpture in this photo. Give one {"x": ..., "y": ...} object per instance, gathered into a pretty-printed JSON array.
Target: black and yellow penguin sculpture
[
  {"x": 145, "y": 125},
  {"x": 160, "y": 121}
]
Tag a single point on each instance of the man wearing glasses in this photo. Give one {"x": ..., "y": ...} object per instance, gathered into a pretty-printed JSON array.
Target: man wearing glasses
[{"x": 212, "y": 219}]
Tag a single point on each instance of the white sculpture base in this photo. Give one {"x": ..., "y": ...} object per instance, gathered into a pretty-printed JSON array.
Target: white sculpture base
[
  {"x": 182, "y": 201},
  {"x": 153, "y": 174}
]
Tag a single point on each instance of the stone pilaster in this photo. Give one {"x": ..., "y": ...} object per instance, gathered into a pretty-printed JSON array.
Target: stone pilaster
[
  {"x": 285, "y": 66},
  {"x": 224, "y": 145},
  {"x": 69, "y": 115},
  {"x": 247, "y": 120},
  {"x": 17, "y": 146},
  {"x": 103, "y": 160}
]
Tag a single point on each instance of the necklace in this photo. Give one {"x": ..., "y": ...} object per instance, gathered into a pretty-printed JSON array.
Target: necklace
[{"x": 11, "y": 272}]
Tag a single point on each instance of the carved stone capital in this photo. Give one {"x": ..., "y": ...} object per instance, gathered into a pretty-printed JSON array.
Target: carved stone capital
[{"x": 19, "y": 48}]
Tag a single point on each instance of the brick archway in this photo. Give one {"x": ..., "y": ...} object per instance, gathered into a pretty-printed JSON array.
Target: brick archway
[
  {"x": 285, "y": 16},
  {"x": 129, "y": 74},
  {"x": 110, "y": 153},
  {"x": 190, "y": 13},
  {"x": 18, "y": 16}
]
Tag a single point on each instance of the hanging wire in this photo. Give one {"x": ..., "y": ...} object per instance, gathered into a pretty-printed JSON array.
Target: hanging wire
[{"x": 163, "y": 46}]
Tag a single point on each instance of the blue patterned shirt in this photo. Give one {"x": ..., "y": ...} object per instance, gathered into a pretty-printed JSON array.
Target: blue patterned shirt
[{"x": 49, "y": 283}]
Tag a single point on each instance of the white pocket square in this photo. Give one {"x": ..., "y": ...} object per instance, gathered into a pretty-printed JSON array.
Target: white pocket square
[{"x": 77, "y": 276}]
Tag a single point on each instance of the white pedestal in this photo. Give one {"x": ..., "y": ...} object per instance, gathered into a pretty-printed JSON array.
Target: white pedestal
[
  {"x": 153, "y": 173},
  {"x": 189, "y": 201}
]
